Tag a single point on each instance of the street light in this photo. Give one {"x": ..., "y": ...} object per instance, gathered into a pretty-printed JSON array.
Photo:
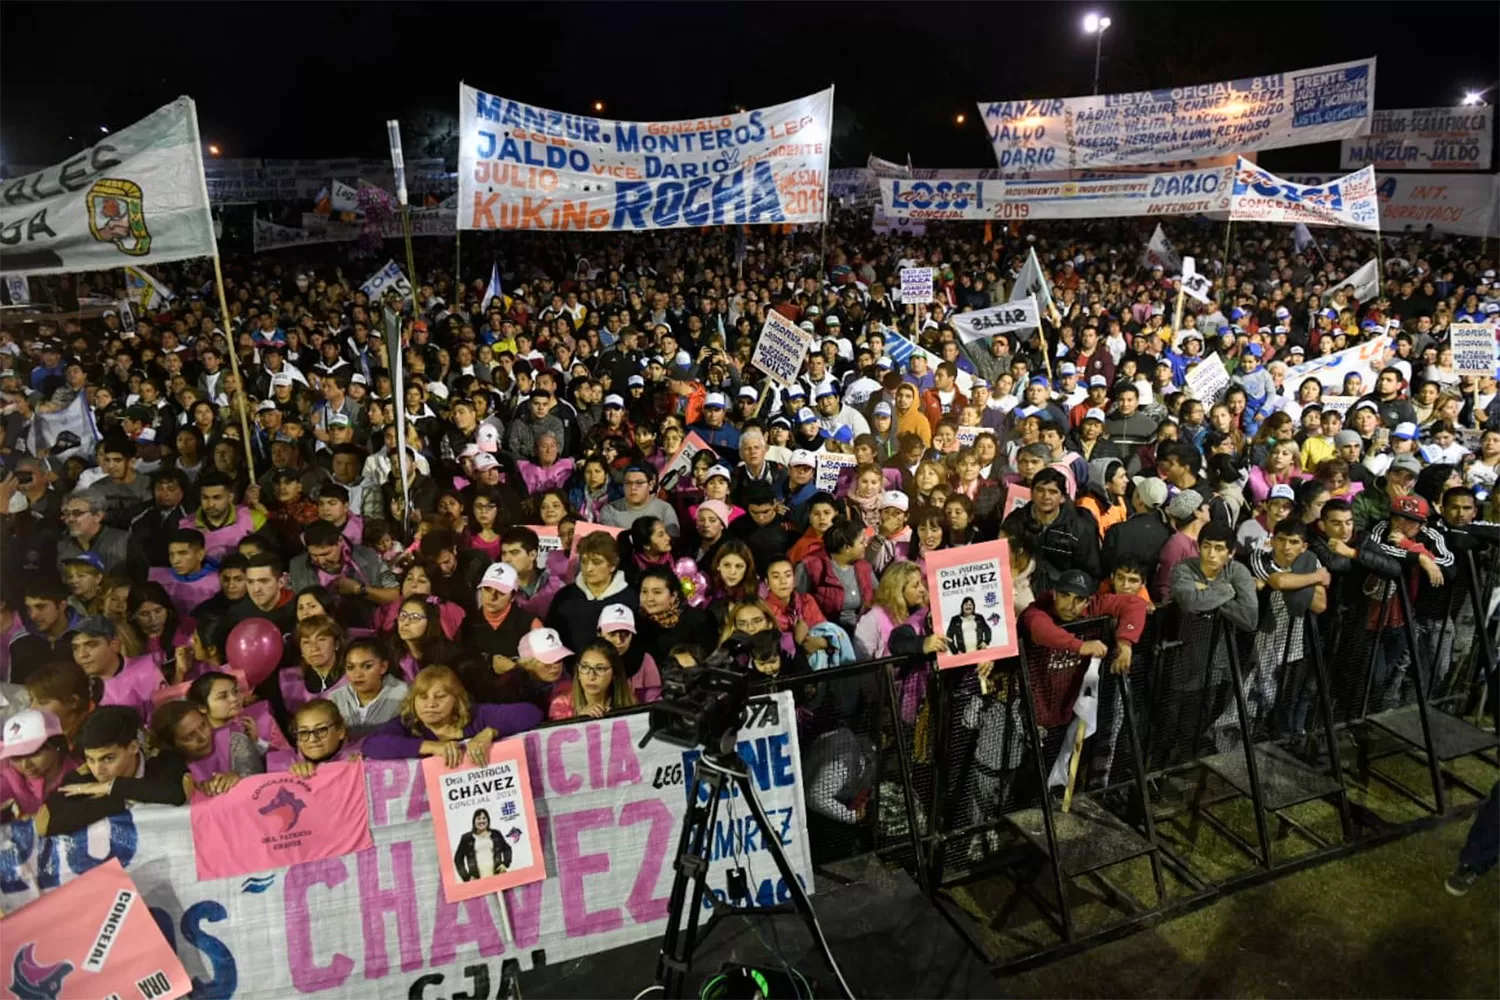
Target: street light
[
  {"x": 1473, "y": 98},
  {"x": 960, "y": 118},
  {"x": 213, "y": 149},
  {"x": 598, "y": 106},
  {"x": 1096, "y": 25}
]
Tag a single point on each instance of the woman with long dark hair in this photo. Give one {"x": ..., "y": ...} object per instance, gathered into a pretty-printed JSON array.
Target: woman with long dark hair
[
  {"x": 420, "y": 639},
  {"x": 156, "y": 617}
]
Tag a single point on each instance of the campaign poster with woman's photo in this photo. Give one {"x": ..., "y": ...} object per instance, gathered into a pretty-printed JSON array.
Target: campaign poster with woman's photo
[
  {"x": 973, "y": 606},
  {"x": 485, "y": 823}
]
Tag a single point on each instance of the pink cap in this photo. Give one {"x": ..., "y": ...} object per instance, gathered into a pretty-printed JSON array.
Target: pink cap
[
  {"x": 500, "y": 576},
  {"x": 542, "y": 644},
  {"x": 25, "y": 732},
  {"x": 487, "y": 437},
  {"x": 719, "y": 508},
  {"x": 617, "y": 618}
]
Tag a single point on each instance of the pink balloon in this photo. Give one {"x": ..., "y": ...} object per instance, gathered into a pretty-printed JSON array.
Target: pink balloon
[{"x": 254, "y": 647}]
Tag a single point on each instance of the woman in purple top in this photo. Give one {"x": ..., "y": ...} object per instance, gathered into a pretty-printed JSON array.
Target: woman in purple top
[
  {"x": 320, "y": 643},
  {"x": 156, "y": 618},
  {"x": 438, "y": 720},
  {"x": 321, "y": 737},
  {"x": 217, "y": 758}
]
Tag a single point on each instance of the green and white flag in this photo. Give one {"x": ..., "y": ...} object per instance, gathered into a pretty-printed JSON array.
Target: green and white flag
[{"x": 136, "y": 197}]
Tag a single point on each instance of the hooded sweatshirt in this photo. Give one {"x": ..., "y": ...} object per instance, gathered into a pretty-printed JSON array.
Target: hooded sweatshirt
[
  {"x": 575, "y": 610},
  {"x": 1107, "y": 510}
]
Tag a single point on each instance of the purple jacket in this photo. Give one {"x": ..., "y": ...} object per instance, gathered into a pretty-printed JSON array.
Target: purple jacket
[{"x": 393, "y": 741}]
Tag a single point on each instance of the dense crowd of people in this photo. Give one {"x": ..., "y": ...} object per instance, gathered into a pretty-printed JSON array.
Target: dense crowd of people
[{"x": 524, "y": 534}]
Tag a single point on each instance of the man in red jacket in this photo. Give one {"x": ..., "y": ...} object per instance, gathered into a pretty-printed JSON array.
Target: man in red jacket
[
  {"x": 944, "y": 397},
  {"x": 1072, "y": 599}
]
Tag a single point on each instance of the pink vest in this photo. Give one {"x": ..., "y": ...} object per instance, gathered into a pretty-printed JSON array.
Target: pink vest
[
  {"x": 133, "y": 685},
  {"x": 219, "y": 542},
  {"x": 217, "y": 761},
  {"x": 185, "y": 594},
  {"x": 294, "y": 693}
]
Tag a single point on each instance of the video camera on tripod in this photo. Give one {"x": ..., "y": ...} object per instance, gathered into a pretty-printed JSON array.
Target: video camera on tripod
[{"x": 704, "y": 707}]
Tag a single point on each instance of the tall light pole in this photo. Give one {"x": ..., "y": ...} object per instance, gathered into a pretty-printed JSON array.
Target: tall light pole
[{"x": 1096, "y": 25}]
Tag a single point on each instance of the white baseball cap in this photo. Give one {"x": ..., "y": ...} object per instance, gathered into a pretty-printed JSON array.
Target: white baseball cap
[
  {"x": 715, "y": 400},
  {"x": 896, "y": 499},
  {"x": 25, "y": 732},
  {"x": 748, "y": 392},
  {"x": 487, "y": 437},
  {"x": 542, "y": 644},
  {"x": 803, "y": 457},
  {"x": 617, "y": 618},
  {"x": 500, "y": 576},
  {"x": 484, "y": 461},
  {"x": 1094, "y": 413},
  {"x": 718, "y": 470},
  {"x": 615, "y": 401},
  {"x": 1281, "y": 491}
]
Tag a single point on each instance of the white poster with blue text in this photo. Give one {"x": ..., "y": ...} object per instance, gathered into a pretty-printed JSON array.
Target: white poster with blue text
[
  {"x": 1424, "y": 139},
  {"x": 376, "y": 924},
  {"x": 1348, "y": 201},
  {"x": 1209, "y": 119},
  {"x": 524, "y": 167}
]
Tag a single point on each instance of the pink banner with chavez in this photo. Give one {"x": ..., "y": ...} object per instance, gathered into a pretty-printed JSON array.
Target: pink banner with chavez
[
  {"x": 275, "y": 820},
  {"x": 94, "y": 937}
]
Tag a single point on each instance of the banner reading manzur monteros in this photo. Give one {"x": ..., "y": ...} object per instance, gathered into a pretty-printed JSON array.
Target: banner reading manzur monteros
[
  {"x": 1149, "y": 126},
  {"x": 523, "y": 167},
  {"x": 135, "y": 197}
]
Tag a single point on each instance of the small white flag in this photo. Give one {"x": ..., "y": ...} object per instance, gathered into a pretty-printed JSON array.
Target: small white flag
[
  {"x": 145, "y": 291},
  {"x": 1085, "y": 714},
  {"x": 388, "y": 278},
  {"x": 1159, "y": 252},
  {"x": 1197, "y": 286},
  {"x": 1301, "y": 237},
  {"x": 494, "y": 291},
  {"x": 1363, "y": 284}
]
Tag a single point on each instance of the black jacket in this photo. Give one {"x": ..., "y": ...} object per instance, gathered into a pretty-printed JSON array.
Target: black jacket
[
  {"x": 1140, "y": 535},
  {"x": 465, "y": 860},
  {"x": 1071, "y": 541},
  {"x": 164, "y": 782}
]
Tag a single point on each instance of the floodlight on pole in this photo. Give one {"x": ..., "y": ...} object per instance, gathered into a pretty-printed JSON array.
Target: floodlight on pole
[
  {"x": 1473, "y": 98},
  {"x": 1096, "y": 24}
]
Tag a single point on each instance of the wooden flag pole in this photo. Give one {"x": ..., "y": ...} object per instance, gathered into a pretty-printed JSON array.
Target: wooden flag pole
[
  {"x": 1067, "y": 802},
  {"x": 234, "y": 364}
]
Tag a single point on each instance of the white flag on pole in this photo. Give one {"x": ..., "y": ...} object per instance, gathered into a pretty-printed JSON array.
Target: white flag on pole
[
  {"x": 136, "y": 197},
  {"x": 344, "y": 197},
  {"x": 494, "y": 291},
  {"x": 386, "y": 279},
  {"x": 1085, "y": 714},
  {"x": 75, "y": 417},
  {"x": 1159, "y": 252},
  {"x": 1301, "y": 238},
  {"x": 985, "y": 323},
  {"x": 1194, "y": 284},
  {"x": 145, "y": 291},
  {"x": 1032, "y": 281},
  {"x": 1363, "y": 284}
]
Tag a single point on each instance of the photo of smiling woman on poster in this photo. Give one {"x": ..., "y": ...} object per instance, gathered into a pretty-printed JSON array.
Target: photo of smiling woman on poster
[
  {"x": 482, "y": 852},
  {"x": 967, "y": 630}
]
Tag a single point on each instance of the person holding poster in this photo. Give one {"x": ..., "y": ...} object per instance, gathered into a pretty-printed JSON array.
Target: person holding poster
[
  {"x": 485, "y": 822},
  {"x": 973, "y": 603}
]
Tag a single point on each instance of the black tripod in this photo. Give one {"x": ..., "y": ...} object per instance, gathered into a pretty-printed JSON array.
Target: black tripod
[{"x": 720, "y": 773}]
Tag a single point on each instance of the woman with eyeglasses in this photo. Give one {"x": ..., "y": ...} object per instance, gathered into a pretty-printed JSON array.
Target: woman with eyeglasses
[
  {"x": 483, "y": 532},
  {"x": 418, "y": 582},
  {"x": 420, "y": 638},
  {"x": 319, "y": 736},
  {"x": 599, "y": 685}
]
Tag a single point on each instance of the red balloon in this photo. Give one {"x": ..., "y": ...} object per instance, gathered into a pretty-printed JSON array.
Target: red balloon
[{"x": 254, "y": 647}]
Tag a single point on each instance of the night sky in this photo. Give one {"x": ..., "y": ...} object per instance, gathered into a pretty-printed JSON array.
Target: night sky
[{"x": 319, "y": 80}]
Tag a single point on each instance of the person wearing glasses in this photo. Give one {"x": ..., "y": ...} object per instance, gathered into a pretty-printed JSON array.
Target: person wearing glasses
[
  {"x": 639, "y": 502},
  {"x": 599, "y": 685},
  {"x": 319, "y": 736},
  {"x": 83, "y": 515}
]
